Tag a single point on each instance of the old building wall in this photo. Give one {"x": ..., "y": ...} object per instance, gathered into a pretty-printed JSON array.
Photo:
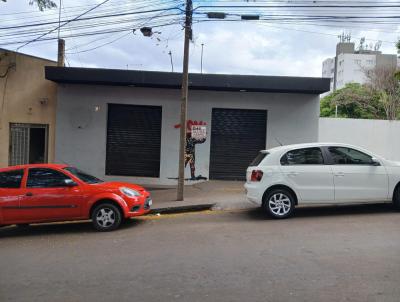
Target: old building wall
[{"x": 25, "y": 97}]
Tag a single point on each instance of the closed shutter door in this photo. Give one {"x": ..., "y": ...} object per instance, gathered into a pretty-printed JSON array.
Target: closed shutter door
[
  {"x": 133, "y": 140},
  {"x": 236, "y": 137}
]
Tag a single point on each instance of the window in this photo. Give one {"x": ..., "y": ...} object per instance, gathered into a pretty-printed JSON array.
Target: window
[
  {"x": 348, "y": 156},
  {"x": 11, "y": 179},
  {"x": 357, "y": 62},
  {"x": 259, "y": 158},
  {"x": 308, "y": 156},
  {"x": 45, "y": 178},
  {"x": 83, "y": 176}
]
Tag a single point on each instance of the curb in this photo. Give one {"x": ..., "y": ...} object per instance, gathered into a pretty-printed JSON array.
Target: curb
[{"x": 182, "y": 209}]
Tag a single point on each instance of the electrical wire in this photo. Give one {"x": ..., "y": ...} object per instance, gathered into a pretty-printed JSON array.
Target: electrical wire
[
  {"x": 76, "y": 18},
  {"x": 110, "y": 19}
]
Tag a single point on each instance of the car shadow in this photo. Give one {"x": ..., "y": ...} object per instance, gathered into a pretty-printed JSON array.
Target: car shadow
[
  {"x": 58, "y": 228},
  {"x": 328, "y": 210}
]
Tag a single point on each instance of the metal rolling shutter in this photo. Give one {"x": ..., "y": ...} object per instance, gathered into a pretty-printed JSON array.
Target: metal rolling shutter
[
  {"x": 236, "y": 137},
  {"x": 133, "y": 140}
]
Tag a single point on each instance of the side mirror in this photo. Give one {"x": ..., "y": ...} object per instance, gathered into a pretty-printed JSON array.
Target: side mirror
[
  {"x": 69, "y": 183},
  {"x": 375, "y": 162}
]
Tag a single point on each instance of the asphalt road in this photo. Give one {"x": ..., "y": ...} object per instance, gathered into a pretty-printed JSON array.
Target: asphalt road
[{"x": 325, "y": 254}]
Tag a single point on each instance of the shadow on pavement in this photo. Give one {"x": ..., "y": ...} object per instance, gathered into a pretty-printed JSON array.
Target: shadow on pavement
[
  {"x": 60, "y": 228},
  {"x": 331, "y": 210}
]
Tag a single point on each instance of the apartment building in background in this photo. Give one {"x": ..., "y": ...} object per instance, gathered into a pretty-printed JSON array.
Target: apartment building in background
[{"x": 349, "y": 64}]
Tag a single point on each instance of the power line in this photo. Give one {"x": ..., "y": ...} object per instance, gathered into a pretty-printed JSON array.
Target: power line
[
  {"x": 116, "y": 30},
  {"x": 84, "y": 13},
  {"x": 279, "y": 27},
  {"x": 124, "y": 35},
  {"x": 87, "y": 18},
  {"x": 171, "y": 18}
]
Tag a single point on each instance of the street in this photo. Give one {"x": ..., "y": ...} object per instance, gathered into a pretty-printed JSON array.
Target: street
[{"x": 321, "y": 254}]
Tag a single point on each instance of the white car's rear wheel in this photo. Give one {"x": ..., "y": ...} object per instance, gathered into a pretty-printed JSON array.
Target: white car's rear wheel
[
  {"x": 396, "y": 198},
  {"x": 279, "y": 203}
]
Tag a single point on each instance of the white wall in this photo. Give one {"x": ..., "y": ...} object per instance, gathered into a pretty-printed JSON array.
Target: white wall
[
  {"x": 379, "y": 136},
  {"x": 81, "y": 131}
]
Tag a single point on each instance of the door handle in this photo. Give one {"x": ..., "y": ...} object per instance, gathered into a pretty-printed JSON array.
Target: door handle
[
  {"x": 29, "y": 194},
  {"x": 293, "y": 173},
  {"x": 339, "y": 174}
]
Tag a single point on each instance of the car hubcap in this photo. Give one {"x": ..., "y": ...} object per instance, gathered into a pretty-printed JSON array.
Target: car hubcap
[
  {"x": 279, "y": 204},
  {"x": 105, "y": 217}
]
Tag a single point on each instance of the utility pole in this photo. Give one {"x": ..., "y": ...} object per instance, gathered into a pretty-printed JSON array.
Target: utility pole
[
  {"x": 201, "y": 61},
  {"x": 61, "y": 42},
  {"x": 184, "y": 98},
  {"x": 61, "y": 53},
  {"x": 172, "y": 63}
]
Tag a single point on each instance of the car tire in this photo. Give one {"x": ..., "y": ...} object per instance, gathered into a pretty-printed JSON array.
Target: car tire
[
  {"x": 106, "y": 217},
  {"x": 396, "y": 199},
  {"x": 279, "y": 203}
]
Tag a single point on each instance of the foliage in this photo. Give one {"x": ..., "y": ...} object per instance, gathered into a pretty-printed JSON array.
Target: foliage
[
  {"x": 353, "y": 101},
  {"x": 41, "y": 4},
  {"x": 398, "y": 46},
  {"x": 384, "y": 82},
  {"x": 398, "y": 51}
]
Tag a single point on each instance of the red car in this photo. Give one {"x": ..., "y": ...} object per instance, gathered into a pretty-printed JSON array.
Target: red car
[{"x": 50, "y": 192}]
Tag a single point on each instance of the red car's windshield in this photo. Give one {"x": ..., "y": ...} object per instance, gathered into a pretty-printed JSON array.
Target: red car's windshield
[{"x": 83, "y": 176}]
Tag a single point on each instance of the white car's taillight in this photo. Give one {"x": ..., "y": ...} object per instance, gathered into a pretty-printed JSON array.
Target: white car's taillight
[{"x": 256, "y": 175}]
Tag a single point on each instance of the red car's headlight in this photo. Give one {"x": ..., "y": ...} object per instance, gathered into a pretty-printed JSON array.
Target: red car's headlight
[{"x": 129, "y": 192}]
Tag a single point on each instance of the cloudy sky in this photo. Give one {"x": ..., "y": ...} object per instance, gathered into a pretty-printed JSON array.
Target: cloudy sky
[{"x": 267, "y": 48}]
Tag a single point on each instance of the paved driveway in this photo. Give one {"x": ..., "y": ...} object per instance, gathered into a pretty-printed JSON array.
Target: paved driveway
[{"x": 322, "y": 254}]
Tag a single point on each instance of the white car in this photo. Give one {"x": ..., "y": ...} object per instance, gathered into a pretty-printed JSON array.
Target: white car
[{"x": 283, "y": 177}]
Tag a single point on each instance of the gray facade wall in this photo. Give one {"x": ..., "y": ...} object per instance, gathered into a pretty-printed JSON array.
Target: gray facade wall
[
  {"x": 388, "y": 61},
  {"x": 82, "y": 123}
]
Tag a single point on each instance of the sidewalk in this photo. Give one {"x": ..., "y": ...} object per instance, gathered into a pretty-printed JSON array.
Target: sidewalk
[{"x": 203, "y": 196}]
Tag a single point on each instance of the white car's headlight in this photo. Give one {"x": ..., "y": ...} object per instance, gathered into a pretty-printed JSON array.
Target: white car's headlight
[{"x": 129, "y": 192}]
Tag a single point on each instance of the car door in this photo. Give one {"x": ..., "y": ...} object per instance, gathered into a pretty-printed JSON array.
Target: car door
[
  {"x": 306, "y": 172},
  {"x": 356, "y": 176},
  {"x": 46, "y": 196},
  {"x": 10, "y": 195}
]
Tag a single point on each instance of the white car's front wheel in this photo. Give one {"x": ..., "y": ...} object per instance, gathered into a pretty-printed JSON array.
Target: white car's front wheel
[{"x": 279, "y": 203}]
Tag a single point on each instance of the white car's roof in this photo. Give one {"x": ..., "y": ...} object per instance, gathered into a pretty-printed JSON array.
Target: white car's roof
[{"x": 308, "y": 145}]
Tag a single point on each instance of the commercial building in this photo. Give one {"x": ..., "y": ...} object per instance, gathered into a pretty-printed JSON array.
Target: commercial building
[
  {"x": 27, "y": 109},
  {"x": 123, "y": 125},
  {"x": 349, "y": 65}
]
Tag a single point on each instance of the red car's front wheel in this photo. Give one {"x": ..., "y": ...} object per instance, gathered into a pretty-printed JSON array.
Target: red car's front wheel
[{"x": 106, "y": 217}]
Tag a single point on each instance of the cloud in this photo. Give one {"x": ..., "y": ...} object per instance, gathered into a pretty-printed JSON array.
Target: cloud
[{"x": 229, "y": 47}]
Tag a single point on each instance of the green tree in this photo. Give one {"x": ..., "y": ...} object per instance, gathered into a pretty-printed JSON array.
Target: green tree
[
  {"x": 398, "y": 52},
  {"x": 383, "y": 81},
  {"x": 41, "y": 4},
  {"x": 353, "y": 101}
]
